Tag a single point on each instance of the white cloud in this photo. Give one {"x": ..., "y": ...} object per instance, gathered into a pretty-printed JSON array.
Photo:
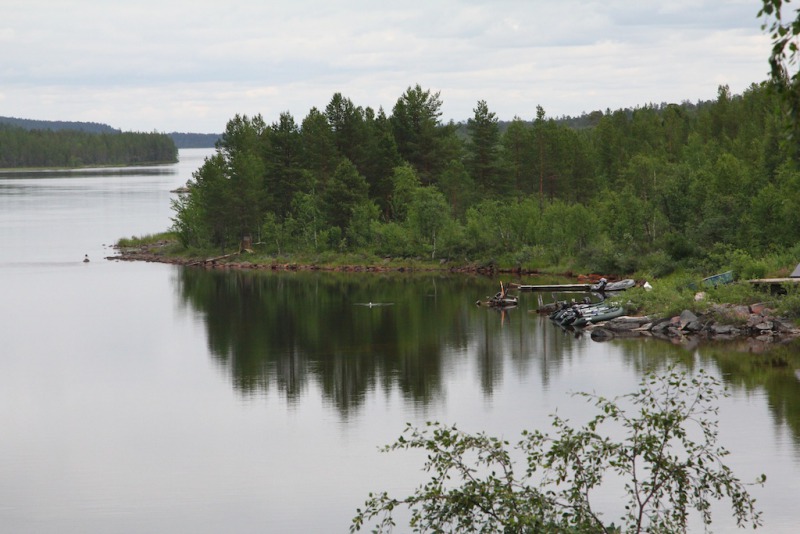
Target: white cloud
[{"x": 191, "y": 65}]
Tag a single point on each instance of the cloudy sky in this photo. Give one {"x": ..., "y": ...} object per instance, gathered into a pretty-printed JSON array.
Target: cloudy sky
[{"x": 190, "y": 65}]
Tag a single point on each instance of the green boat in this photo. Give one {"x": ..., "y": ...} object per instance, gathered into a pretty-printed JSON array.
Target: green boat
[
  {"x": 601, "y": 314},
  {"x": 718, "y": 279}
]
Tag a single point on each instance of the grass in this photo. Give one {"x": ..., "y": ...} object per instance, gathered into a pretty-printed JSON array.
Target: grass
[
  {"x": 673, "y": 294},
  {"x": 145, "y": 240}
]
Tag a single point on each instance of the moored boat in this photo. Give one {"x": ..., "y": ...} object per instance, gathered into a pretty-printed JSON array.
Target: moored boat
[{"x": 599, "y": 315}]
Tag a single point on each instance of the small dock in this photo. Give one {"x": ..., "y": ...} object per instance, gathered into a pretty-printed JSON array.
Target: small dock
[
  {"x": 552, "y": 287},
  {"x": 775, "y": 285}
]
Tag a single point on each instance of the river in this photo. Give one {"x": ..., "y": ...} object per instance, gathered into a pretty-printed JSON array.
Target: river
[{"x": 139, "y": 397}]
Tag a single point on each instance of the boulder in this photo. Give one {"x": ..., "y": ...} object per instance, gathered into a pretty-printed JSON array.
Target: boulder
[
  {"x": 723, "y": 329},
  {"x": 687, "y": 318},
  {"x": 602, "y": 334}
]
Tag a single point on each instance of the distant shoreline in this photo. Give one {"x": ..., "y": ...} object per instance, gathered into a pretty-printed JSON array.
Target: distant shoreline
[{"x": 85, "y": 167}]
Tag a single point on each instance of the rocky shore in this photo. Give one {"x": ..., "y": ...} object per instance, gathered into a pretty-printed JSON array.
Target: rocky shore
[
  {"x": 756, "y": 323},
  {"x": 162, "y": 252}
]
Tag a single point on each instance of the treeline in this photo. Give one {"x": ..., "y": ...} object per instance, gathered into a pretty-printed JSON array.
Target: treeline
[
  {"x": 21, "y": 147},
  {"x": 650, "y": 188}
]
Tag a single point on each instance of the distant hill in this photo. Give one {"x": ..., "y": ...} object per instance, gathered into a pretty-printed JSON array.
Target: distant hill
[
  {"x": 181, "y": 139},
  {"x": 55, "y": 126},
  {"x": 194, "y": 140}
]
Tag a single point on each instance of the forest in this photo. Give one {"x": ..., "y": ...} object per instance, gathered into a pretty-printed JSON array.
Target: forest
[
  {"x": 25, "y": 145},
  {"x": 649, "y": 189}
]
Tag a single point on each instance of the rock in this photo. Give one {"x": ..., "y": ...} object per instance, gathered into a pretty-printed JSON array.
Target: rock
[
  {"x": 686, "y": 318},
  {"x": 782, "y": 325},
  {"x": 723, "y": 329},
  {"x": 764, "y": 326},
  {"x": 623, "y": 326},
  {"x": 759, "y": 309},
  {"x": 660, "y": 326},
  {"x": 602, "y": 334},
  {"x": 694, "y": 326}
]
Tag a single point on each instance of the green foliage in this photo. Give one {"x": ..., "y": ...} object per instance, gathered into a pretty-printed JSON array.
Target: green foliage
[
  {"x": 661, "y": 440},
  {"x": 394, "y": 239},
  {"x": 405, "y": 183},
  {"x": 427, "y": 217},
  {"x": 656, "y": 190},
  {"x": 144, "y": 240},
  {"x": 347, "y": 190},
  {"x": 725, "y": 257},
  {"x": 362, "y": 225},
  {"x": 784, "y": 55},
  {"x": 668, "y": 296},
  {"x": 789, "y": 304},
  {"x": 483, "y": 152}
]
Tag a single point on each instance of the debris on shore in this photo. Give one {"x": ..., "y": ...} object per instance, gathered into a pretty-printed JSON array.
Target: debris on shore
[{"x": 722, "y": 322}]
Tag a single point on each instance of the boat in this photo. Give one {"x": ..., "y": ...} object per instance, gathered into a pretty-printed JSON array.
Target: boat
[
  {"x": 569, "y": 314},
  {"x": 580, "y": 314},
  {"x": 601, "y": 287},
  {"x": 605, "y": 287},
  {"x": 718, "y": 279},
  {"x": 599, "y": 315}
]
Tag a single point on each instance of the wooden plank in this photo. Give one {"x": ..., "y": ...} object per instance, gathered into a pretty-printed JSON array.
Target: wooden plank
[
  {"x": 212, "y": 260},
  {"x": 553, "y": 287}
]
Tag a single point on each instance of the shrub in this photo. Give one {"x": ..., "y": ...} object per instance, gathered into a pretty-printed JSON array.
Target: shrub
[{"x": 668, "y": 457}]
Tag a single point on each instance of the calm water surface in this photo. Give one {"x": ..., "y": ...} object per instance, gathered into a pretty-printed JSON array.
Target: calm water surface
[{"x": 142, "y": 397}]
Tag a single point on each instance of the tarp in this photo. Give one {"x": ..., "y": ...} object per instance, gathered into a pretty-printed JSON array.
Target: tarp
[{"x": 796, "y": 272}]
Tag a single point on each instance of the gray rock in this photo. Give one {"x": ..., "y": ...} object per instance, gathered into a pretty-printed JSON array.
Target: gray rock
[
  {"x": 660, "y": 326},
  {"x": 764, "y": 326},
  {"x": 723, "y": 330},
  {"x": 694, "y": 326},
  {"x": 686, "y": 318},
  {"x": 602, "y": 334},
  {"x": 616, "y": 325}
]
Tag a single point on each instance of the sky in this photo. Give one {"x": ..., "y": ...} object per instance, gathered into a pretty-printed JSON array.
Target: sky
[{"x": 191, "y": 65}]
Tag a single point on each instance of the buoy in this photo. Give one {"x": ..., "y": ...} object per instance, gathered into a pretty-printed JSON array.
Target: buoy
[{"x": 85, "y": 258}]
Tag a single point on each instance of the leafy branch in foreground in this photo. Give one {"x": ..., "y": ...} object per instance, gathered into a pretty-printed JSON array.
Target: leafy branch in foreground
[
  {"x": 783, "y": 58},
  {"x": 668, "y": 459}
]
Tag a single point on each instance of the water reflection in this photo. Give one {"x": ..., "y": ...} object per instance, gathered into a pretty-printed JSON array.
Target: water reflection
[
  {"x": 284, "y": 330},
  {"x": 84, "y": 172},
  {"x": 745, "y": 367}
]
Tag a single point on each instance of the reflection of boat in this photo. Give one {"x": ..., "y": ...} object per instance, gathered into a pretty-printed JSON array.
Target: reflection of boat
[{"x": 501, "y": 302}]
